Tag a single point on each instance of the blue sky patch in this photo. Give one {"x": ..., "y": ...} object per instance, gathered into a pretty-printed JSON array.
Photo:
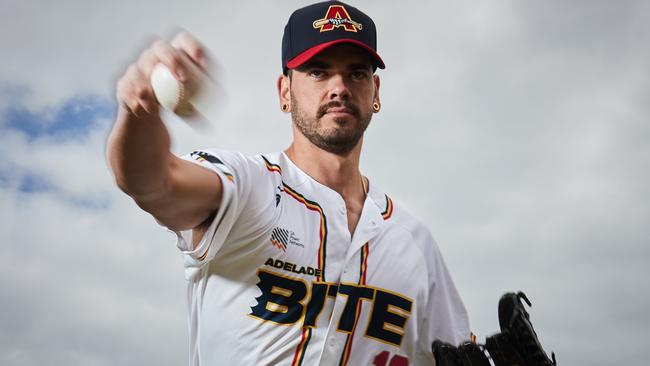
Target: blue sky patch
[
  {"x": 76, "y": 117},
  {"x": 4, "y": 179},
  {"x": 31, "y": 183}
]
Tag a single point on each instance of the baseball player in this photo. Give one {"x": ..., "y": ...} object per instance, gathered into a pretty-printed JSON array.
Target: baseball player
[{"x": 292, "y": 257}]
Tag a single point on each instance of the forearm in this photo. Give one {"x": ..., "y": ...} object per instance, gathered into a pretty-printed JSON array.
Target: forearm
[
  {"x": 178, "y": 193},
  {"x": 138, "y": 153}
]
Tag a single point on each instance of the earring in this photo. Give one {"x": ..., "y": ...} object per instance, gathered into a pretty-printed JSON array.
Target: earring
[
  {"x": 376, "y": 106},
  {"x": 285, "y": 108}
]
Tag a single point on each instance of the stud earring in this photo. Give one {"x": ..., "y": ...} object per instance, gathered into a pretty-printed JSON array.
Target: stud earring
[
  {"x": 376, "y": 106},
  {"x": 285, "y": 108}
]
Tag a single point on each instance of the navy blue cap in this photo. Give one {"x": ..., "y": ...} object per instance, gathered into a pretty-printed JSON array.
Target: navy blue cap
[{"x": 316, "y": 27}]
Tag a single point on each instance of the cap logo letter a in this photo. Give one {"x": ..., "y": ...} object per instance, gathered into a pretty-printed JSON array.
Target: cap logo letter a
[{"x": 337, "y": 17}]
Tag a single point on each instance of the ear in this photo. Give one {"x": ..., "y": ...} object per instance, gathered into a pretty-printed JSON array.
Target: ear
[{"x": 284, "y": 88}]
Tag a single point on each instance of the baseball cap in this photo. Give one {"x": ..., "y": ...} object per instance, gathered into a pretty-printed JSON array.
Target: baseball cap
[{"x": 312, "y": 29}]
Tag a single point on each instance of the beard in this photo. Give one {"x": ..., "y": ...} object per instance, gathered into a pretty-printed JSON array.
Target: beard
[{"x": 338, "y": 140}]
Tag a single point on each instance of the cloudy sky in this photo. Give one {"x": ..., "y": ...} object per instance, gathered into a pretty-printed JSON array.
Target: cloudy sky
[{"x": 518, "y": 130}]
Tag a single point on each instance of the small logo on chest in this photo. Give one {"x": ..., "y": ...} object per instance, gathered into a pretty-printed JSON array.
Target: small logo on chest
[
  {"x": 281, "y": 238},
  {"x": 277, "y": 195}
]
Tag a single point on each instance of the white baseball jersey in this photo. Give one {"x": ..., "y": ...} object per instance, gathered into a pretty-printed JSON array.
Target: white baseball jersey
[{"x": 278, "y": 279}]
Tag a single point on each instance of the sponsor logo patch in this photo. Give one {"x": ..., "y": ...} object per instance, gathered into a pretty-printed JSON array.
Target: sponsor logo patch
[{"x": 281, "y": 238}]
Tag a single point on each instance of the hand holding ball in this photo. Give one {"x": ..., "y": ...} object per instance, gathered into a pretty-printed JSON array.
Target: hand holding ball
[
  {"x": 179, "y": 97},
  {"x": 170, "y": 93}
]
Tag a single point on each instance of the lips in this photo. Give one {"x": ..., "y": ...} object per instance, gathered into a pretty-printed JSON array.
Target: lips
[{"x": 337, "y": 108}]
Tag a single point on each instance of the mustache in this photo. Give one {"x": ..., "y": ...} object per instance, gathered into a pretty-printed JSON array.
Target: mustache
[{"x": 322, "y": 110}]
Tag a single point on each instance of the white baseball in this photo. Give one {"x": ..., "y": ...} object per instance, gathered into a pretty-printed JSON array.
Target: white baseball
[{"x": 171, "y": 93}]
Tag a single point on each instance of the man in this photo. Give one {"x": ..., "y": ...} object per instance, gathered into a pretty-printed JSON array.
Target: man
[{"x": 292, "y": 258}]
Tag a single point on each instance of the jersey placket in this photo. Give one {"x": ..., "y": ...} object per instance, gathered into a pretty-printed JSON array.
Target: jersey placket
[
  {"x": 338, "y": 242},
  {"x": 367, "y": 228}
]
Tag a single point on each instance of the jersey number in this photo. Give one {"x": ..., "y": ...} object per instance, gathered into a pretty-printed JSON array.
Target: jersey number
[{"x": 397, "y": 360}]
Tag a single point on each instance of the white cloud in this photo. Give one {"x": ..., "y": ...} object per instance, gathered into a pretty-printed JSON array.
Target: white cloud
[{"x": 518, "y": 131}]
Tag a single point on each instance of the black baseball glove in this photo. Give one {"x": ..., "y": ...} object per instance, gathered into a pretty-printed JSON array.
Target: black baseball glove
[{"x": 516, "y": 345}]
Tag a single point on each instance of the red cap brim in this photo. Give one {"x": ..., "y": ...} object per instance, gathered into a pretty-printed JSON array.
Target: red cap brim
[{"x": 308, "y": 54}]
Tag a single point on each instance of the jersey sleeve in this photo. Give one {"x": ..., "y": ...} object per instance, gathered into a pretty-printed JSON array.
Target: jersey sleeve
[
  {"x": 445, "y": 314},
  {"x": 246, "y": 206}
]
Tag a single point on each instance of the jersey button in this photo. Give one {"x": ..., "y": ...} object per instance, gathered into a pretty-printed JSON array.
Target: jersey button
[
  {"x": 332, "y": 342},
  {"x": 342, "y": 211}
]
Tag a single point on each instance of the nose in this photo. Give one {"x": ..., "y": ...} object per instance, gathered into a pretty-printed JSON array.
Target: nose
[{"x": 338, "y": 88}]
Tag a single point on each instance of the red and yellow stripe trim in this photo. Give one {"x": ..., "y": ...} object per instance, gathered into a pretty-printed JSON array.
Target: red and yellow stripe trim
[
  {"x": 365, "y": 250},
  {"x": 347, "y": 350},
  {"x": 202, "y": 257},
  {"x": 313, "y": 206},
  {"x": 229, "y": 176},
  {"x": 270, "y": 166},
  {"x": 299, "y": 356},
  {"x": 388, "y": 212}
]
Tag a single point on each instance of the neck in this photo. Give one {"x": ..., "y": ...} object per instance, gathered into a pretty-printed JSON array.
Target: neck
[{"x": 338, "y": 172}]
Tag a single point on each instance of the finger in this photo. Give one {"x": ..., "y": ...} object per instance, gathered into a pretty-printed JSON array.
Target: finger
[
  {"x": 131, "y": 104},
  {"x": 134, "y": 92},
  {"x": 139, "y": 105},
  {"x": 147, "y": 60},
  {"x": 121, "y": 90},
  {"x": 123, "y": 95},
  {"x": 192, "y": 47},
  {"x": 125, "y": 89},
  {"x": 163, "y": 52},
  {"x": 142, "y": 91}
]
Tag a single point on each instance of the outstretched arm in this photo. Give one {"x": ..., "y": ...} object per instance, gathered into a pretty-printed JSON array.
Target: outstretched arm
[{"x": 179, "y": 194}]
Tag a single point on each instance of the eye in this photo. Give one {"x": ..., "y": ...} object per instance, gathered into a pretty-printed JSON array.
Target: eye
[
  {"x": 359, "y": 75},
  {"x": 316, "y": 73}
]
